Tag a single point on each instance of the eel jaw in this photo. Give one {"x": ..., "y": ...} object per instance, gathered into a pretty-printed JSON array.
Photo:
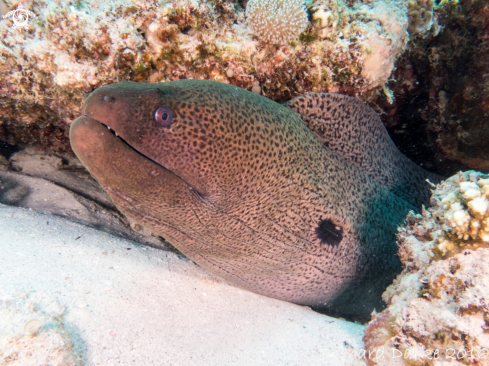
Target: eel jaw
[
  {"x": 93, "y": 142},
  {"x": 125, "y": 174}
]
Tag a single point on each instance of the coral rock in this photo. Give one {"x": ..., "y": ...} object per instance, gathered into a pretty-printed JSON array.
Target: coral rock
[
  {"x": 439, "y": 305},
  {"x": 73, "y": 47},
  {"x": 440, "y": 114}
]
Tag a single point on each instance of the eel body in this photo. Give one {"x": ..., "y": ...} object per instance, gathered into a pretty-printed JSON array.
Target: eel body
[{"x": 298, "y": 201}]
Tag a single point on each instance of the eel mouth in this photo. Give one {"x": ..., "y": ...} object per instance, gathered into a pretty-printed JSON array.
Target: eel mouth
[
  {"x": 99, "y": 131},
  {"x": 101, "y": 148},
  {"x": 114, "y": 133},
  {"x": 116, "y": 165}
]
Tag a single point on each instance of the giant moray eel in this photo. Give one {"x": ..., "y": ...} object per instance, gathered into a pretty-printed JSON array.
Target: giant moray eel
[{"x": 298, "y": 201}]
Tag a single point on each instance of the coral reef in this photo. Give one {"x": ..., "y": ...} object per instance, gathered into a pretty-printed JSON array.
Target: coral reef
[
  {"x": 73, "y": 47},
  {"x": 32, "y": 332},
  {"x": 441, "y": 87},
  {"x": 439, "y": 305},
  {"x": 338, "y": 21},
  {"x": 276, "y": 21},
  {"x": 467, "y": 211}
]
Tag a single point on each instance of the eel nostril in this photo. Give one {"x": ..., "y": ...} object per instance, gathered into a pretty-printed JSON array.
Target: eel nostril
[{"x": 106, "y": 98}]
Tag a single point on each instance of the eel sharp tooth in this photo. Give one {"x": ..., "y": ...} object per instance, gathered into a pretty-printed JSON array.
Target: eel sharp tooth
[{"x": 116, "y": 134}]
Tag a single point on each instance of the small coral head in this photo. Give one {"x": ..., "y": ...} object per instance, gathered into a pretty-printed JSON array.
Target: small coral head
[{"x": 276, "y": 21}]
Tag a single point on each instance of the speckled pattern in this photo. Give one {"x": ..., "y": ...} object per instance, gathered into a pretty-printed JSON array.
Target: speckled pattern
[
  {"x": 355, "y": 132},
  {"x": 240, "y": 185}
]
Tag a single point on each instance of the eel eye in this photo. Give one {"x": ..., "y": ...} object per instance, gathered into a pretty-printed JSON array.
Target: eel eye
[{"x": 164, "y": 116}]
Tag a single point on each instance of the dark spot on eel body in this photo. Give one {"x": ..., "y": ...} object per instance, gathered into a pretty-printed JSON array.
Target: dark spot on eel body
[{"x": 329, "y": 233}]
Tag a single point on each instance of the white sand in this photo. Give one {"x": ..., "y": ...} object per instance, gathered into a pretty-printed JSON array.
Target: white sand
[{"x": 142, "y": 306}]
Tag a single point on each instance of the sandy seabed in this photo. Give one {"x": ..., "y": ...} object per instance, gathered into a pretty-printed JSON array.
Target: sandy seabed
[{"x": 72, "y": 295}]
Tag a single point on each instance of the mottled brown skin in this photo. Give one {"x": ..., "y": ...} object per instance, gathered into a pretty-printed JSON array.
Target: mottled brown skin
[
  {"x": 355, "y": 132},
  {"x": 239, "y": 184}
]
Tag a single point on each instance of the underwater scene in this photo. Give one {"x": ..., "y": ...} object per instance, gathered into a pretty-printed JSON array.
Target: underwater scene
[{"x": 244, "y": 182}]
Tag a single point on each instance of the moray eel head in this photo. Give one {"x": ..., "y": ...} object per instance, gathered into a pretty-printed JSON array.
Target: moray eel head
[
  {"x": 156, "y": 122},
  {"x": 241, "y": 186}
]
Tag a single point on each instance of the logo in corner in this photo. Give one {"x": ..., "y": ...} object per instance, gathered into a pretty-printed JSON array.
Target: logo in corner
[{"x": 20, "y": 16}]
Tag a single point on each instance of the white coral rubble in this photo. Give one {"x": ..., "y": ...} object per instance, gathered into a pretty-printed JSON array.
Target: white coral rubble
[
  {"x": 33, "y": 332},
  {"x": 438, "y": 307},
  {"x": 467, "y": 208}
]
